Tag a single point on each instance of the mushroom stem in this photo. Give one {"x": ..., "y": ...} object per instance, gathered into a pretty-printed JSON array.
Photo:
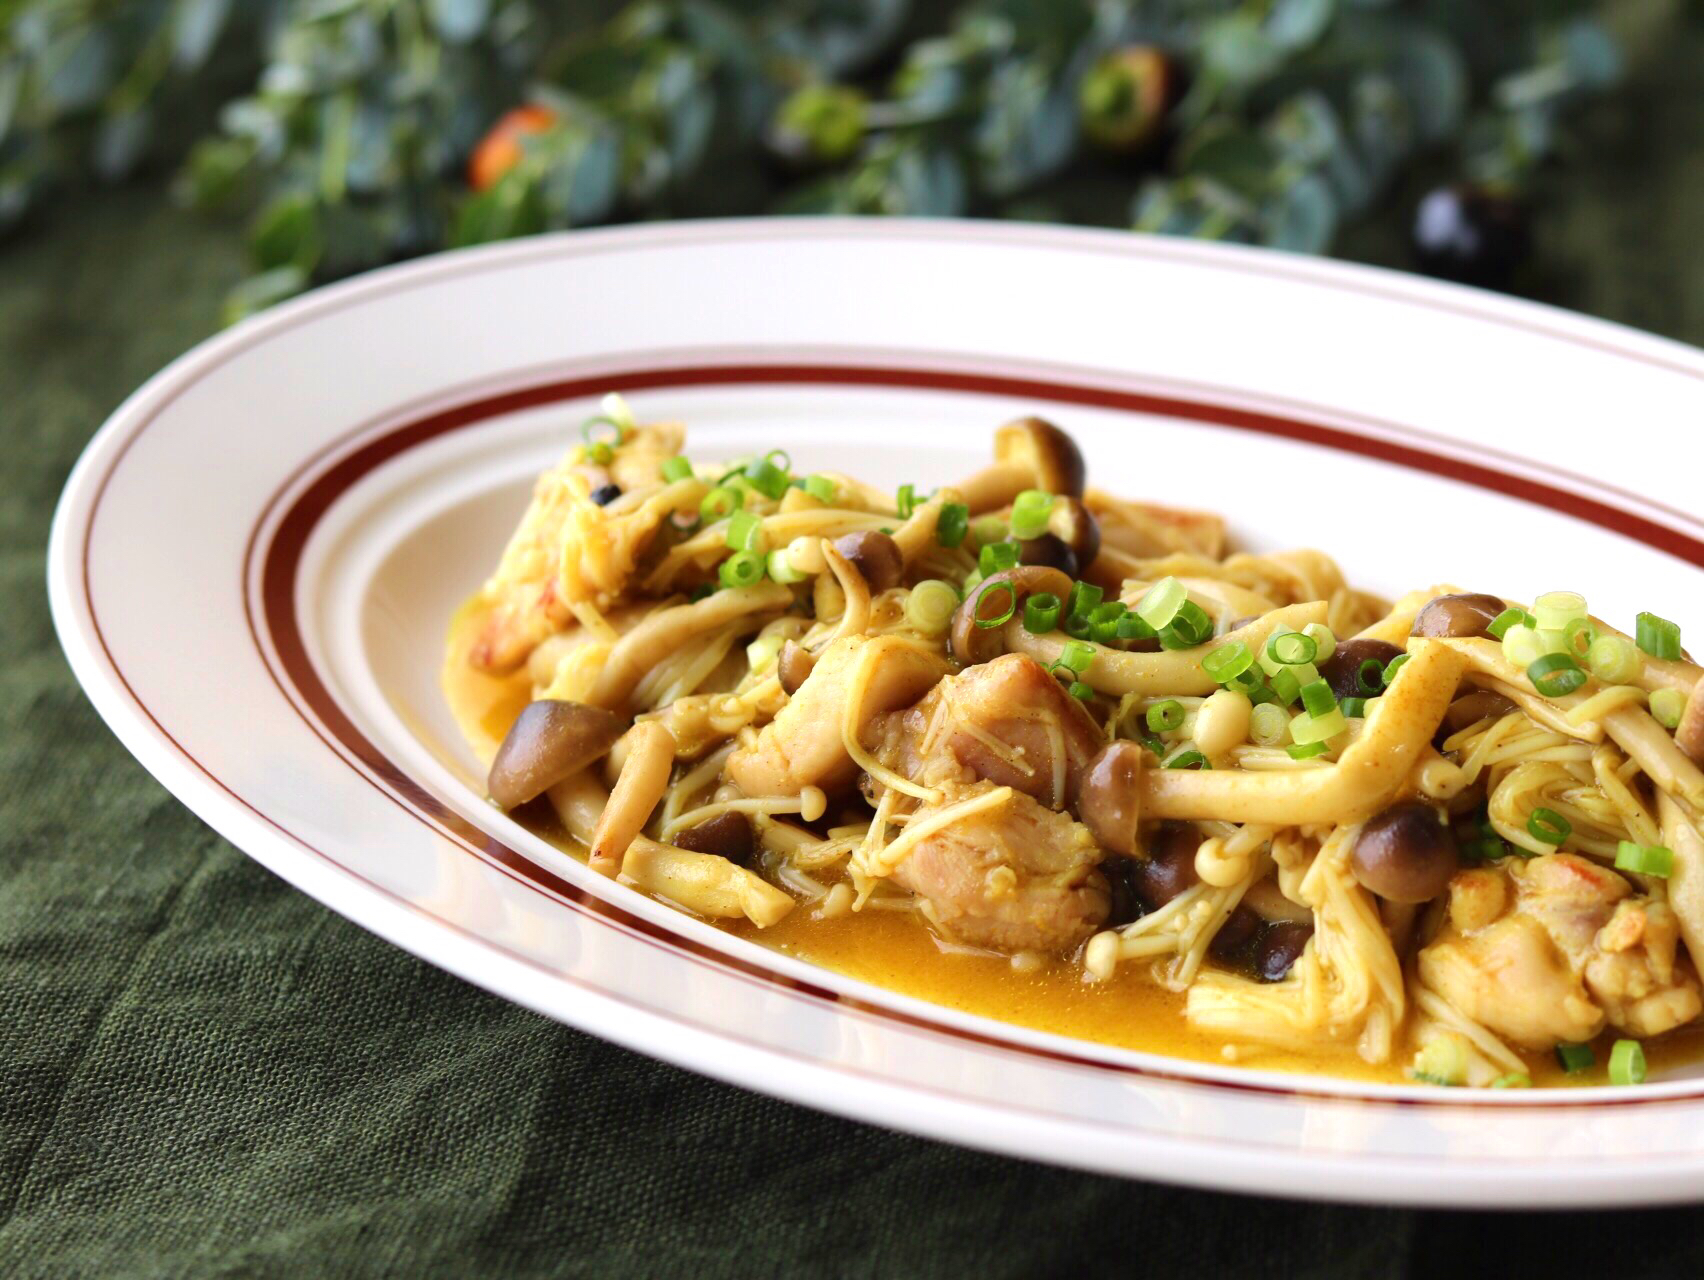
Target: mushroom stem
[{"x": 644, "y": 778}]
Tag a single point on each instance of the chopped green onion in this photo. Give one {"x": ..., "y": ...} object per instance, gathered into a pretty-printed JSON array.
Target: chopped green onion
[
  {"x": 1556, "y": 675},
  {"x": 1189, "y": 627},
  {"x": 1160, "y": 603},
  {"x": 1251, "y": 683},
  {"x": 1523, "y": 646},
  {"x": 1306, "y": 750},
  {"x": 1442, "y": 1060},
  {"x": 1165, "y": 716},
  {"x": 1658, "y": 637},
  {"x": 1103, "y": 620},
  {"x": 1269, "y": 724},
  {"x": 996, "y": 557},
  {"x": 1132, "y": 627},
  {"x": 1082, "y": 692},
  {"x": 906, "y": 501},
  {"x": 1030, "y": 513},
  {"x": 1292, "y": 648},
  {"x": 1499, "y": 626},
  {"x": 786, "y": 459},
  {"x": 616, "y": 409},
  {"x": 1078, "y": 628},
  {"x": 930, "y": 605},
  {"x": 951, "y": 525},
  {"x": 780, "y": 566},
  {"x": 1577, "y": 639},
  {"x": 742, "y": 569},
  {"x": 1549, "y": 827},
  {"x": 1668, "y": 706},
  {"x": 702, "y": 590},
  {"x": 1355, "y": 708},
  {"x": 1627, "y": 1063},
  {"x": 821, "y": 488},
  {"x": 1318, "y": 699},
  {"x": 1286, "y": 686},
  {"x": 720, "y": 503},
  {"x": 1085, "y": 599},
  {"x": 593, "y": 437},
  {"x": 1188, "y": 760},
  {"x": 1645, "y": 859},
  {"x": 1396, "y": 664},
  {"x": 1514, "y": 1080},
  {"x": 1000, "y": 619},
  {"x": 1554, "y": 610},
  {"x": 1307, "y": 727},
  {"x": 1154, "y": 745},
  {"x": 1575, "y": 1058},
  {"x": 1227, "y": 662},
  {"x": 676, "y": 468},
  {"x": 988, "y": 529},
  {"x": 760, "y": 653},
  {"x": 1369, "y": 677},
  {"x": 745, "y": 532},
  {"x": 1613, "y": 659},
  {"x": 767, "y": 478},
  {"x": 1041, "y": 613},
  {"x": 1324, "y": 641},
  {"x": 1076, "y": 656},
  {"x": 600, "y": 452}
]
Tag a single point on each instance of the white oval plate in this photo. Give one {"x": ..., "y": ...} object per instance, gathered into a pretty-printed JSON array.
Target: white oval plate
[{"x": 253, "y": 564}]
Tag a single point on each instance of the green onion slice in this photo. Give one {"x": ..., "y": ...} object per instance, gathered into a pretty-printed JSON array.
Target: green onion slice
[
  {"x": 676, "y": 468},
  {"x": 1556, "y": 675},
  {"x": 1190, "y": 626},
  {"x": 1292, "y": 648},
  {"x": 821, "y": 488},
  {"x": 1554, "y": 610},
  {"x": 1627, "y": 1063},
  {"x": 951, "y": 525},
  {"x": 1318, "y": 699},
  {"x": 781, "y": 568},
  {"x": 1578, "y": 637},
  {"x": 1396, "y": 664},
  {"x": 1575, "y": 1058},
  {"x": 1160, "y": 603},
  {"x": 593, "y": 432},
  {"x": 767, "y": 478},
  {"x": 1269, "y": 724},
  {"x": 1165, "y": 716},
  {"x": 1514, "y": 1080},
  {"x": 1103, "y": 621},
  {"x": 986, "y": 621},
  {"x": 1369, "y": 677},
  {"x": 720, "y": 503},
  {"x": 745, "y": 531},
  {"x": 1082, "y": 692},
  {"x": 1132, "y": 627},
  {"x": 1189, "y": 760},
  {"x": 1085, "y": 599},
  {"x": 1658, "y": 637},
  {"x": 1510, "y": 617},
  {"x": 930, "y": 605},
  {"x": 1030, "y": 512},
  {"x": 1228, "y": 661},
  {"x": 1549, "y": 827},
  {"x": 1613, "y": 659},
  {"x": 742, "y": 569},
  {"x": 1668, "y": 707},
  {"x": 1041, "y": 613},
  {"x": 1645, "y": 859},
  {"x": 996, "y": 557},
  {"x": 1076, "y": 656},
  {"x": 1306, "y": 750},
  {"x": 1286, "y": 686},
  {"x": 906, "y": 500},
  {"x": 1355, "y": 708}
]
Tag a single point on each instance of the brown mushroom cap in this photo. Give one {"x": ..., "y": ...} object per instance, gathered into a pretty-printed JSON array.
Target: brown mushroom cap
[
  {"x": 1280, "y": 947},
  {"x": 1405, "y": 854},
  {"x": 548, "y": 742},
  {"x": 1075, "y": 525},
  {"x": 793, "y": 665},
  {"x": 1342, "y": 670},
  {"x": 1109, "y": 802},
  {"x": 875, "y": 556},
  {"x": 1050, "y": 552},
  {"x": 973, "y": 644},
  {"x": 727, "y": 835},
  {"x": 1051, "y": 454},
  {"x": 1467, "y": 614},
  {"x": 1474, "y": 706}
]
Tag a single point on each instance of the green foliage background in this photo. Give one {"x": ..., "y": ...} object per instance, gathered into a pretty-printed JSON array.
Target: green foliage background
[{"x": 343, "y": 128}]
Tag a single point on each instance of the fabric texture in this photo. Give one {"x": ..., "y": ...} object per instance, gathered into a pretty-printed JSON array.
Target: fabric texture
[{"x": 204, "y": 1072}]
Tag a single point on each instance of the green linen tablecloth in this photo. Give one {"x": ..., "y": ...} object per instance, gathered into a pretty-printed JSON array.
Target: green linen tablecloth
[{"x": 203, "y": 1072}]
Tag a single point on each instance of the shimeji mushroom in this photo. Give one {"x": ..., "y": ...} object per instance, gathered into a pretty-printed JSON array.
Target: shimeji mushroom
[
  {"x": 1030, "y": 453},
  {"x": 548, "y": 742}
]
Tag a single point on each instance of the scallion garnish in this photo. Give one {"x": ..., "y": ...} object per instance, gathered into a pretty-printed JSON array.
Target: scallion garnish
[
  {"x": 997, "y": 556},
  {"x": 1554, "y": 610},
  {"x": 1668, "y": 707},
  {"x": 591, "y": 431},
  {"x": 1549, "y": 827},
  {"x": 1227, "y": 662},
  {"x": 906, "y": 500},
  {"x": 742, "y": 569},
  {"x": 1292, "y": 648},
  {"x": 1514, "y": 1080},
  {"x": 600, "y": 452},
  {"x": 1030, "y": 512},
  {"x": 767, "y": 478},
  {"x": 1306, "y": 750},
  {"x": 1085, "y": 599},
  {"x": 1578, "y": 637},
  {"x": 1325, "y": 641},
  {"x": 1286, "y": 686},
  {"x": 780, "y": 566},
  {"x": 745, "y": 531},
  {"x": 1627, "y": 1063},
  {"x": 1511, "y": 617},
  {"x": 1396, "y": 664},
  {"x": 1131, "y": 626},
  {"x": 1160, "y": 603},
  {"x": 1082, "y": 692},
  {"x": 1103, "y": 621},
  {"x": 1355, "y": 708},
  {"x": 821, "y": 488},
  {"x": 1190, "y": 626},
  {"x": 1645, "y": 859},
  {"x": 1041, "y": 613},
  {"x": 1369, "y": 677},
  {"x": 719, "y": 503},
  {"x": 1250, "y": 683},
  {"x": 1306, "y": 727},
  {"x": 676, "y": 468},
  {"x": 1268, "y": 724},
  {"x": 1318, "y": 699},
  {"x": 951, "y": 525},
  {"x": 1165, "y": 716},
  {"x": 1613, "y": 659},
  {"x": 1189, "y": 760},
  {"x": 1658, "y": 637},
  {"x": 1556, "y": 675},
  {"x": 930, "y": 605},
  {"x": 702, "y": 590},
  {"x": 1003, "y": 587},
  {"x": 1575, "y": 1058},
  {"x": 1076, "y": 656}
]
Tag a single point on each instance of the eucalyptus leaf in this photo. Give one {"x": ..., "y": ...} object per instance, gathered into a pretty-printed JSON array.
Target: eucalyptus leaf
[
  {"x": 1230, "y": 156},
  {"x": 11, "y": 89},
  {"x": 1302, "y": 218},
  {"x": 1238, "y": 52},
  {"x": 1432, "y": 76},
  {"x": 196, "y": 27},
  {"x": 121, "y": 141},
  {"x": 287, "y": 233},
  {"x": 459, "y": 21},
  {"x": 1591, "y": 54},
  {"x": 1296, "y": 24},
  {"x": 77, "y": 69},
  {"x": 261, "y": 291}
]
